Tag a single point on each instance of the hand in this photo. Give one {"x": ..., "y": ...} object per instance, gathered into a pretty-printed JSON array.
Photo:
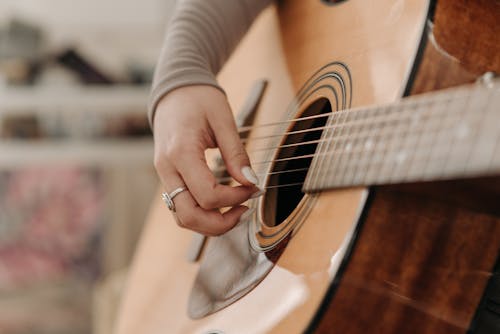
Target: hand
[{"x": 188, "y": 120}]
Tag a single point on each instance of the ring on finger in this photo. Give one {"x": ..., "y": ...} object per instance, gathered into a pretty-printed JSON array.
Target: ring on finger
[{"x": 168, "y": 198}]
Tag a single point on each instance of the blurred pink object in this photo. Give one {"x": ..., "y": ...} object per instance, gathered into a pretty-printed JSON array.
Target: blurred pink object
[{"x": 53, "y": 215}]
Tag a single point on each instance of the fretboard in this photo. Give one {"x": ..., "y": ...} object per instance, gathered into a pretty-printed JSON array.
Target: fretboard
[{"x": 444, "y": 135}]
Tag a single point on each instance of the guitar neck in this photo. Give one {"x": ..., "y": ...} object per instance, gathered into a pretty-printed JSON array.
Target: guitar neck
[{"x": 445, "y": 135}]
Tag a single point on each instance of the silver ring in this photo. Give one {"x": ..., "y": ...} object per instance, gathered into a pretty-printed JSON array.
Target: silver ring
[{"x": 169, "y": 198}]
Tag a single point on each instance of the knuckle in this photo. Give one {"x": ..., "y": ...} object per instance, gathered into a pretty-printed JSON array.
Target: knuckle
[{"x": 159, "y": 162}]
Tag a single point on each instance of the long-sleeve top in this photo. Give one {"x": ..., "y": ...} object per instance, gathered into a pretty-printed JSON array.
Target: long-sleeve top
[{"x": 200, "y": 37}]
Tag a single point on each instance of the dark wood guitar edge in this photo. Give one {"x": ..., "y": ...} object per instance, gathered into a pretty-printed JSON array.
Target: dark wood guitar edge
[{"x": 420, "y": 51}]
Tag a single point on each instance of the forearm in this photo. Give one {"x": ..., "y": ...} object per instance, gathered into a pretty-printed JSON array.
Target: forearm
[{"x": 200, "y": 38}]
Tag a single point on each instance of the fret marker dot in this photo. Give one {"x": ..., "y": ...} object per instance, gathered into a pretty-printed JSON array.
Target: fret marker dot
[
  {"x": 368, "y": 144},
  {"x": 348, "y": 147}
]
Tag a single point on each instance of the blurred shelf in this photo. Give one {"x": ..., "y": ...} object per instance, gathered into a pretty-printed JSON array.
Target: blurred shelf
[
  {"x": 108, "y": 99},
  {"x": 97, "y": 153}
]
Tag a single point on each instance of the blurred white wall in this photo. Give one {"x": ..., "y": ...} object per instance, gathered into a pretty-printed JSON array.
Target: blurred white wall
[{"x": 115, "y": 32}]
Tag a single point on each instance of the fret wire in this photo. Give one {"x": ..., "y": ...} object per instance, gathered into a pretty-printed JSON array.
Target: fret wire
[
  {"x": 385, "y": 134},
  {"x": 440, "y": 137},
  {"x": 395, "y": 131},
  {"x": 454, "y": 120},
  {"x": 319, "y": 163},
  {"x": 376, "y": 131},
  {"x": 354, "y": 155},
  {"x": 341, "y": 132},
  {"x": 367, "y": 149},
  {"x": 475, "y": 119},
  {"x": 341, "y": 126},
  {"x": 409, "y": 143},
  {"x": 496, "y": 153},
  {"x": 377, "y": 146},
  {"x": 436, "y": 121},
  {"x": 417, "y": 141},
  {"x": 396, "y": 143},
  {"x": 417, "y": 126},
  {"x": 388, "y": 135},
  {"x": 332, "y": 146},
  {"x": 343, "y": 160},
  {"x": 497, "y": 143},
  {"x": 418, "y": 129},
  {"x": 461, "y": 112}
]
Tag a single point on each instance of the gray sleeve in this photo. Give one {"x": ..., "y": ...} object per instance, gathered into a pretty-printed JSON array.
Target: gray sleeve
[{"x": 201, "y": 36}]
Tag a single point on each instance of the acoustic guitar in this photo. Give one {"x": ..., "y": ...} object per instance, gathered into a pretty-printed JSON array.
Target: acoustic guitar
[{"x": 378, "y": 142}]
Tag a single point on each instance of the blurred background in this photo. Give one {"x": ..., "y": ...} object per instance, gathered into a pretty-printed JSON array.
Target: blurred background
[{"x": 76, "y": 175}]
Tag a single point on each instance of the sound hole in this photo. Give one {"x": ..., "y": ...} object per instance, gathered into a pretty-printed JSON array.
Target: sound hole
[{"x": 287, "y": 177}]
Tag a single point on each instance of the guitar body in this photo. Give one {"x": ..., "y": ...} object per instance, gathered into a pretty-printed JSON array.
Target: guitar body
[{"x": 407, "y": 258}]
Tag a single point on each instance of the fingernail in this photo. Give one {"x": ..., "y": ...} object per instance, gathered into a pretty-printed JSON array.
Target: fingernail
[
  {"x": 258, "y": 193},
  {"x": 246, "y": 215},
  {"x": 250, "y": 175}
]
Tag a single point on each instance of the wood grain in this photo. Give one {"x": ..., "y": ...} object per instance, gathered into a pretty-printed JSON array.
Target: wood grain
[{"x": 420, "y": 266}]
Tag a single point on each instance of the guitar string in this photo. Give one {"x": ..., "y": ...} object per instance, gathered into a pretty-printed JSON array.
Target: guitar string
[
  {"x": 399, "y": 119},
  {"x": 327, "y": 173},
  {"x": 365, "y": 134},
  {"x": 410, "y": 102},
  {"x": 413, "y": 101},
  {"x": 328, "y": 153},
  {"x": 389, "y": 114},
  {"x": 385, "y": 118},
  {"x": 418, "y": 154}
]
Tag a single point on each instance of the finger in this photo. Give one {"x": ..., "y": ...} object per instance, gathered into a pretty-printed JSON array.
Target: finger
[
  {"x": 207, "y": 192},
  {"x": 232, "y": 149},
  {"x": 193, "y": 217},
  {"x": 209, "y": 222}
]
